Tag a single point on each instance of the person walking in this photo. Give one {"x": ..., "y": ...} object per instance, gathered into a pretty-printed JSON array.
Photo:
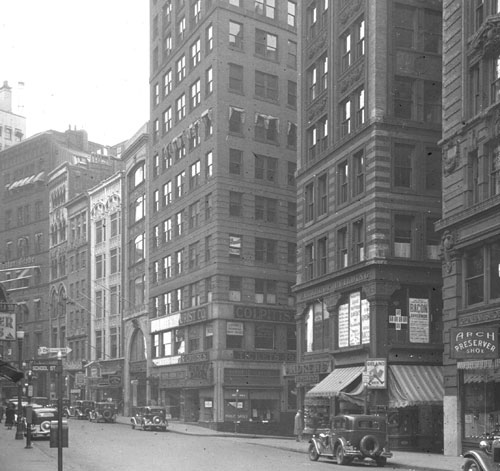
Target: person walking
[
  {"x": 10, "y": 414},
  {"x": 298, "y": 426},
  {"x": 1, "y": 412}
]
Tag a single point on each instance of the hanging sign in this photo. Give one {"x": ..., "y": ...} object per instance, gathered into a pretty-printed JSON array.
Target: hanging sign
[{"x": 474, "y": 343}]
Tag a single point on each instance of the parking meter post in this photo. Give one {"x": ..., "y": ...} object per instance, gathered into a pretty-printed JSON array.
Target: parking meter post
[{"x": 59, "y": 412}]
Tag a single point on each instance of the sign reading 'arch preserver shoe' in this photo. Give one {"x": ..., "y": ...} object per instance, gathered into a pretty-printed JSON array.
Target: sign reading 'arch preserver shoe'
[{"x": 474, "y": 342}]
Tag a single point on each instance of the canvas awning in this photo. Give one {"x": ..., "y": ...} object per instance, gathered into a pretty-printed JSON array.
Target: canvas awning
[
  {"x": 336, "y": 381},
  {"x": 484, "y": 376},
  {"x": 413, "y": 385}
]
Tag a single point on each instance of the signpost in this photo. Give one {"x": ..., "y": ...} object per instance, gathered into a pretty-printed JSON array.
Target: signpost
[{"x": 56, "y": 350}]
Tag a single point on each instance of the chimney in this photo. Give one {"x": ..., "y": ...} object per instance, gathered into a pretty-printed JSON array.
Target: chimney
[{"x": 6, "y": 97}]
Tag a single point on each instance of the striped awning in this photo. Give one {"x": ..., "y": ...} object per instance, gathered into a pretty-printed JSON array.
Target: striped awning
[
  {"x": 482, "y": 376},
  {"x": 413, "y": 385},
  {"x": 335, "y": 382}
]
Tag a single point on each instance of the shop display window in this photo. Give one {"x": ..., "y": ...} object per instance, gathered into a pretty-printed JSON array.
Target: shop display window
[{"x": 481, "y": 409}]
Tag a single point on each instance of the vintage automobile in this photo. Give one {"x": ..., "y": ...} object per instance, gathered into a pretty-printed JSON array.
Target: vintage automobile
[
  {"x": 103, "y": 412},
  {"x": 82, "y": 409},
  {"x": 487, "y": 457},
  {"x": 149, "y": 418},
  {"x": 352, "y": 437},
  {"x": 40, "y": 421}
]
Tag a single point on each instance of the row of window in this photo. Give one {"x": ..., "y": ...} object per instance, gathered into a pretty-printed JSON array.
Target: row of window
[
  {"x": 325, "y": 254},
  {"x": 270, "y": 9},
  {"x": 483, "y": 174},
  {"x": 100, "y": 344},
  {"x": 23, "y": 215},
  {"x": 23, "y": 248},
  {"x": 137, "y": 252}
]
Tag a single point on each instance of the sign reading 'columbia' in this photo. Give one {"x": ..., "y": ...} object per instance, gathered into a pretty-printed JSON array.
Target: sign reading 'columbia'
[
  {"x": 474, "y": 343},
  {"x": 252, "y": 313}
]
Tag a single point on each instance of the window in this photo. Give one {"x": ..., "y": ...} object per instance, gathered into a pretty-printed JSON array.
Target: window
[
  {"x": 236, "y": 119},
  {"x": 403, "y": 98},
  {"x": 403, "y": 228},
  {"x": 322, "y": 194},
  {"x": 194, "y": 174},
  {"x": 291, "y": 253},
  {"x": 236, "y": 35},
  {"x": 180, "y": 67},
  {"x": 266, "y": 85},
  {"x": 138, "y": 249},
  {"x": 474, "y": 276},
  {"x": 291, "y": 59},
  {"x": 194, "y": 255},
  {"x": 195, "y": 12},
  {"x": 114, "y": 259},
  {"x": 346, "y": 51},
  {"x": 312, "y": 19},
  {"x": 317, "y": 326},
  {"x": 309, "y": 202},
  {"x": 475, "y": 90},
  {"x": 265, "y": 8},
  {"x": 209, "y": 38},
  {"x": 195, "y": 94},
  {"x": 179, "y": 184},
  {"x": 360, "y": 107},
  {"x": 208, "y": 243},
  {"x": 181, "y": 28},
  {"x": 179, "y": 147},
  {"x": 100, "y": 266},
  {"x": 312, "y": 82},
  {"x": 343, "y": 182},
  {"x": 100, "y": 231},
  {"x": 322, "y": 256},
  {"x": 235, "y": 161},
  {"x": 167, "y": 230},
  {"x": 234, "y": 334},
  {"x": 167, "y": 12},
  {"x": 235, "y": 203},
  {"x": 180, "y": 106},
  {"x": 494, "y": 169},
  {"x": 342, "y": 252},
  {"x": 433, "y": 169},
  {"x": 209, "y": 164},
  {"x": 404, "y": 29},
  {"x": 265, "y": 336},
  {"x": 208, "y": 206},
  {"x": 291, "y": 135},
  {"x": 432, "y": 240},
  {"x": 156, "y": 94},
  {"x": 309, "y": 261},
  {"x": 167, "y": 120},
  {"x": 209, "y": 337},
  {"x": 235, "y": 283},
  {"x": 358, "y": 241},
  {"x": 167, "y": 46},
  {"x": 99, "y": 304},
  {"x": 194, "y": 215},
  {"x": 236, "y": 78},
  {"x": 432, "y": 101},
  {"x": 265, "y": 250},
  {"x": 195, "y": 53},
  {"x": 360, "y": 49},
  {"x": 494, "y": 264},
  {"x": 432, "y": 31},
  {"x": 403, "y": 158},
  {"x": 266, "y": 128},
  {"x": 235, "y": 242},
  {"x": 292, "y": 14},
  {"x": 139, "y": 208},
  {"x": 345, "y": 107},
  {"x": 209, "y": 81},
  {"x": 266, "y": 168},
  {"x": 167, "y": 83},
  {"x": 167, "y": 193},
  {"x": 266, "y": 44},
  {"x": 266, "y": 209},
  {"x": 291, "y": 94},
  {"x": 179, "y": 262},
  {"x": 292, "y": 214}
]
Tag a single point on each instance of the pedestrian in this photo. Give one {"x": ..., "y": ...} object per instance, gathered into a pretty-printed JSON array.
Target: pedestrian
[
  {"x": 1, "y": 413},
  {"x": 9, "y": 416},
  {"x": 298, "y": 426}
]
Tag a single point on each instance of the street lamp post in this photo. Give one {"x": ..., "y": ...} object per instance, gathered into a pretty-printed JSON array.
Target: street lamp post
[{"x": 19, "y": 426}]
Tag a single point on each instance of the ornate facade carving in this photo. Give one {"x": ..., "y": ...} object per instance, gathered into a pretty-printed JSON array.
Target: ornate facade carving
[
  {"x": 451, "y": 157},
  {"x": 350, "y": 10},
  {"x": 352, "y": 77},
  {"x": 318, "y": 107},
  {"x": 318, "y": 45},
  {"x": 447, "y": 252}
]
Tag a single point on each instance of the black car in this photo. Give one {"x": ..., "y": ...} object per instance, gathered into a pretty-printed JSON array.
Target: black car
[
  {"x": 103, "y": 412},
  {"x": 40, "y": 421},
  {"x": 149, "y": 418},
  {"x": 82, "y": 409}
]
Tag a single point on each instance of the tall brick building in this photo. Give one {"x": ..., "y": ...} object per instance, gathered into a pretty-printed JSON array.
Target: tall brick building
[
  {"x": 470, "y": 223},
  {"x": 369, "y": 193},
  {"x": 222, "y": 213}
]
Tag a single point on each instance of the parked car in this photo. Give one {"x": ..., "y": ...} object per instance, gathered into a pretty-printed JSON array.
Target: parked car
[
  {"x": 149, "y": 418},
  {"x": 352, "y": 437},
  {"x": 40, "y": 421},
  {"x": 82, "y": 409},
  {"x": 103, "y": 411},
  {"x": 487, "y": 457}
]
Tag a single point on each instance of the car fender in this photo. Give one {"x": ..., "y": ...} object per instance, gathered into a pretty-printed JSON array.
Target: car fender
[
  {"x": 482, "y": 458},
  {"x": 317, "y": 444},
  {"x": 133, "y": 421}
]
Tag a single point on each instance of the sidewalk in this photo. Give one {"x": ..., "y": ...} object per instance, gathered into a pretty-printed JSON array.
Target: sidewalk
[{"x": 401, "y": 459}]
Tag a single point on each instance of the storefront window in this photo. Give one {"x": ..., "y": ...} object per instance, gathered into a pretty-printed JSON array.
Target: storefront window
[
  {"x": 481, "y": 401},
  {"x": 316, "y": 414},
  {"x": 264, "y": 410}
]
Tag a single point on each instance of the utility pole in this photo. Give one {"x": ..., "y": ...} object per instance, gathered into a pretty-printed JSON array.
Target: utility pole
[{"x": 59, "y": 412}]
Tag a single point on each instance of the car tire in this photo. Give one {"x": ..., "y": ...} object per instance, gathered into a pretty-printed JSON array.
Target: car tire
[
  {"x": 369, "y": 445},
  {"x": 313, "y": 453},
  {"x": 340, "y": 455},
  {"x": 107, "y": 415},
  {"x": 471, "y": 465}
]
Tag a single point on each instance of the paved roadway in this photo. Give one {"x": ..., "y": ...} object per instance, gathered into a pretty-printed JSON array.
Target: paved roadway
[{"x": 110, "y": 447}]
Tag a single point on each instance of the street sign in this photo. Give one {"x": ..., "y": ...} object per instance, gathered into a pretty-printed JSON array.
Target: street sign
[
  {"x": 49, "y": 365},
  {"x": 47, "y": 350}
]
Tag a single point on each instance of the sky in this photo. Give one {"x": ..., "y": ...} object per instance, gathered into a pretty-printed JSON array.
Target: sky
[{"x": 84, "y": 64}]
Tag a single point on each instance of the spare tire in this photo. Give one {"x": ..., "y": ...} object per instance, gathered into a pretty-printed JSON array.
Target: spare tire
[
  {"x": 369, "y": 445},
  {"x": 107, "y": 414}
]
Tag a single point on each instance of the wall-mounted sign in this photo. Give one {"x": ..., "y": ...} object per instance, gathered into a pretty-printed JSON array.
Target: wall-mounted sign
[
  {"x": 252, "y": 313},
  {"x": 234, "y": 328},
  {"x": 473, "y": 342},
  {"x": 419, "y": 320},
  {"x": 354, "y": 321},
  {"x": 7, "y": 324},
  {"x": 375, "y": 376}
]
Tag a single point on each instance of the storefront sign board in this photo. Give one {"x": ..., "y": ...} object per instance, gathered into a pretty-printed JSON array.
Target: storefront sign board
[
  {"x": 419, "y": 320},
  {"x": 474, "y": 343}
]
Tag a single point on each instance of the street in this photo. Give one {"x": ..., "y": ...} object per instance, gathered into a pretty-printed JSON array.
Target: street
[{"x": 108, "y": 447}]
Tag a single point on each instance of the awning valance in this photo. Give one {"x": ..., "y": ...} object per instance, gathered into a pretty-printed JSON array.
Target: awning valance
[
  {"x": 412, "y": 385},
  {"x": 335, "y": 382},
  {"x": 482, "y": 376}
]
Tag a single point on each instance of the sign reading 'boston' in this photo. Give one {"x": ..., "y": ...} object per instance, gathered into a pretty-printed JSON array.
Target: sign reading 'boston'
[{"x": 474, "y": 343}]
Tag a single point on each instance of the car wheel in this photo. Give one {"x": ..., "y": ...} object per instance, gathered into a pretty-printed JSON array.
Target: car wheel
[
  {"x": 313, "y": 453},
  {"x": 471, "y": 465},
  {"x": 381, "y": 461},
  {"x": 369, "y": 445},
  {"x": 341, "y": 457}
]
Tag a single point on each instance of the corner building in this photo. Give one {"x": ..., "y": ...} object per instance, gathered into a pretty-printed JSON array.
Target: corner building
[
  {"x": 470, "y": 223},
  {"x": 369, "y": 192},
  {"x": 222, "y": 205}
]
